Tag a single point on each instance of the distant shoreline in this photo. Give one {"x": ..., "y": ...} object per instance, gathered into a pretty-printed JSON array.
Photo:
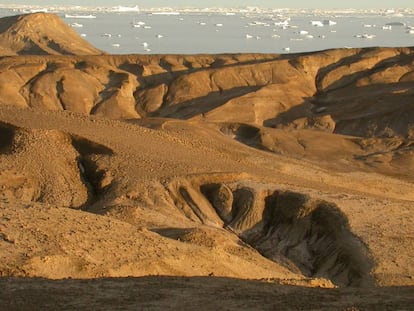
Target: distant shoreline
[{"x": 242, "y": 9}]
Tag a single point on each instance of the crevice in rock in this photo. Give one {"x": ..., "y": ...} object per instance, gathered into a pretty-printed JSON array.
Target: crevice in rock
[
  {"x": 59, "y": 92},
  {"x": 221, "y": 198},
  {"x": 93, "y": 176},
  {"x": 7, "y": 133},
  {"x": 194, "y": 207}
]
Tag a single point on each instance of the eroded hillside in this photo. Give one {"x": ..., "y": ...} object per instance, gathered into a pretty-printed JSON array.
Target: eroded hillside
[{"x": 284, "y": 104}]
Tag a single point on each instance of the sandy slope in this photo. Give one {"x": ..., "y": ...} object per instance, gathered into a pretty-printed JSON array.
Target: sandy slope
[{"x": 296, "y": 168}]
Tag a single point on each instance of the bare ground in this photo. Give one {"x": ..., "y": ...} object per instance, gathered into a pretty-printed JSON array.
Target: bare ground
[{"x": 206, "y": 293}]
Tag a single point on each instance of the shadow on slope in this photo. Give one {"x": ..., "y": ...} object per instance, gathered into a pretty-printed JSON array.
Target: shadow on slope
[
  {"x": 7, "y": 133},
  {"x": 95, "y": 178},
  {"x": 207, "y": 293},
  {"x": 204, "y": 104}
]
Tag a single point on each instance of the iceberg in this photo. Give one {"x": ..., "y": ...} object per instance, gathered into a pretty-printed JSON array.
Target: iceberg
[
  {"x": 317, "y": 23},
  {"x": 166, "y": 13},
  {"x": 79, "y": 16},
  {"x": 125, "y": 9},
  {"x": 76, "y": 25},
  {"x": 328, "y": 22}
]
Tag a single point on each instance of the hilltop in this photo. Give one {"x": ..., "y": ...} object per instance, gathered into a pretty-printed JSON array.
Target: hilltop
[{"x": 41, "y": 34}]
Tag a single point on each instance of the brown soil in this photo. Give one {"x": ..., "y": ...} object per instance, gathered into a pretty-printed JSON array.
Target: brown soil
[{"x": 206, "y": 293}]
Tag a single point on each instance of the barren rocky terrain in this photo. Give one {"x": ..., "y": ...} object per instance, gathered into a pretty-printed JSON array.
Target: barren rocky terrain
[{"x": 219, "y": 181}]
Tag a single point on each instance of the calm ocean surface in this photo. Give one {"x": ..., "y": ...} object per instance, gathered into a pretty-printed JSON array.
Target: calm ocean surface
[{"x": 190, "y": 33}]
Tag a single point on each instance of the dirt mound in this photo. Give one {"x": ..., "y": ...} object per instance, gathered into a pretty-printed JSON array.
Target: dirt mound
[
  {"x": 41, "y": 34},
  {"x": 64, "y": 243},
  {"x": 27, "y": 178}
]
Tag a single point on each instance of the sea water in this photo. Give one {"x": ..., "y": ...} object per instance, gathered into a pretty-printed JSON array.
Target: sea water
[{"x": 206, "y": 32}]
